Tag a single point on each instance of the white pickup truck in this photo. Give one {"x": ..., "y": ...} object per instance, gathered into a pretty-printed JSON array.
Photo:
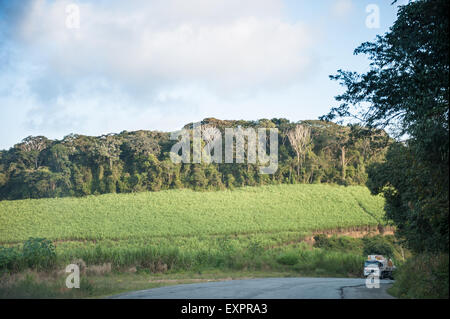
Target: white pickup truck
[{"x": 378, "y": 265}]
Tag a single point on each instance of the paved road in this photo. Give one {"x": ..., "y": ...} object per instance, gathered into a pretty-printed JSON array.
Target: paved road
[{"x": 268, "y": 288}]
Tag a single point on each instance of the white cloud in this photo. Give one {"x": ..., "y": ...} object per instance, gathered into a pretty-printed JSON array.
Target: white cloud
[
  {"x": 148, "y": 65},
  {"x": 218, "y": 43}
]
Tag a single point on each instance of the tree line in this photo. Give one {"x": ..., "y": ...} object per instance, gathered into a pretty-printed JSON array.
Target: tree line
[{"x": 309, "y": 152}]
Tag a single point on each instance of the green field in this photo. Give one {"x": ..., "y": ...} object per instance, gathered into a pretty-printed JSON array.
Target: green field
[
  {"x": 183, "y": 228},
  {"x": 187, "y": 213}
]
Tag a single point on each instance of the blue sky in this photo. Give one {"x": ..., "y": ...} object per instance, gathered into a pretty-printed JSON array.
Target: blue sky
[{"x": 130, "y": 65}]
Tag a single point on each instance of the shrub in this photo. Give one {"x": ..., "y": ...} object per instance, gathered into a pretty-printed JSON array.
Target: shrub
[
  {"x": 378, "y": 245},
  {"x": 255, "y": 248},
  {"x": 320, "y": 262},
  {"x": 321, "y": 241},
  {"x": 342, "y": 243},
  {"x": 39, "y": 253},
  {"x": 288, "y": 259},
  {"x": 10, "y": 258},
  {"x": 423, "y": 276}
]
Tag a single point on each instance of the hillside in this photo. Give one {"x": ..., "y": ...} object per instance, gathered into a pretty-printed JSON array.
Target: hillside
[
  {"x": 185, "y": 230},
  {"x": 179, "y": 213}
]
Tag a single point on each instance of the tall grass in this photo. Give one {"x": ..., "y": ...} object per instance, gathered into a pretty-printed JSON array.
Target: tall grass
[
  {"x": 269, "y": 209},
  {"x": 178, "y": 230}
]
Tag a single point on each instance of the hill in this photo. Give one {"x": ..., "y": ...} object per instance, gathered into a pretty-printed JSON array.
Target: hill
[
  {"x": 123, "y": 228},
  {"x": 267, "y": 209}
]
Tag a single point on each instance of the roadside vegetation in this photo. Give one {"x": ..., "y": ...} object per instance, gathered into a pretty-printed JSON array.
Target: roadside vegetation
[
  {"x": 407, "y": 90},
  {"x": 250, "y": 230},
  {"x": 335, "y": 256},
  {"x": 423, "y": 276}
]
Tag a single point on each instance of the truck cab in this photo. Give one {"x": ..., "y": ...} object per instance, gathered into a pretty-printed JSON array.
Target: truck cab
[
  {"x": 372, "y": 267},
  {"x": 378, "y": 265}
]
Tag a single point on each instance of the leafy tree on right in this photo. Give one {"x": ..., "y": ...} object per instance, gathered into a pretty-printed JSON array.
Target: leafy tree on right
[{"x": 407, "y": 91}]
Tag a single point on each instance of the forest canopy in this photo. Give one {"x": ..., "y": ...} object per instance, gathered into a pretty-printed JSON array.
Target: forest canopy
[{"x": 81, "y": 165}]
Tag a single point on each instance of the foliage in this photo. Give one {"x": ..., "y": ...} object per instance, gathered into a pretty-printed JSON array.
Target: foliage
[
  {"x": 334, "y": 242},
  {"x": 320, "y": 262},
  {"x": 416, "y": 198},
  {"x": 138, "y": 161},
  {"x": 423, "y": 276},
  {"x": 289, "y": 259},
  {"x": 39, "y": 253},
  {"x": 10, "y": 258},
  {"x": 407, "y": 89},
  {"x": 378, "y": 245},
  {"x": 203, "y": 253}
]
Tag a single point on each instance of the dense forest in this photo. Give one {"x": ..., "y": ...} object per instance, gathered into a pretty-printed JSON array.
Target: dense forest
[{"x": 81, "y": 165}]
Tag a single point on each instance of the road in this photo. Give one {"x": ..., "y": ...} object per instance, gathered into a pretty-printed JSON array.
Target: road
[{"x": 268, "y": 288}]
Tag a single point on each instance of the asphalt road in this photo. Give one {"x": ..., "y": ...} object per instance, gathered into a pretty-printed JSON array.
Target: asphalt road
[{"x": 268, "y": 288}]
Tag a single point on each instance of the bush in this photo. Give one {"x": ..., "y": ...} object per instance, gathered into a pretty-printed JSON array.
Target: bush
[
  {"x": 320, "y": 262},
  {"x": 255, "y": 248},
  {"x": 342, "y": 243},
  {"x": 10, "y": 258},
  {"x": 321, "y": 241},
  {"x": 423, "y": 276},
  {"x": 36, "y": 253},
  {"x": 288, "y": 259},
  {"x": 378, "y": 245},
  {"x": 39, "y": 253}
]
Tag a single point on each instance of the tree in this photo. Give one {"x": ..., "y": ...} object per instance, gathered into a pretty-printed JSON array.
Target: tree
[
  {"x": 300, "y": 139},
  {"x": 342, "y": 142},
  {"x": 212, "y": 138},
  {"x": 407, "y": 90},
  {"x": 136, "y": 161},
  {"x": 31, "y": 148},
  {"x": 33, "y": 143},
  {"x": 108, "y": 148}
]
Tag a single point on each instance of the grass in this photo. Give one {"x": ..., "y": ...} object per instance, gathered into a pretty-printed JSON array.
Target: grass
[
  {"x": 185, "y": 213},
  {"x": 181, "y": 232},
  {"x": 184, "y": 229},
  {"x": 32, "y": 284},
  {"x": 41, "y": 285},
  {"x": 343, "y": 257}
]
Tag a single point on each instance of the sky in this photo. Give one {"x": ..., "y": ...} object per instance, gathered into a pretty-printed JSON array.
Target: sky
[{"x": 98, "y": 67}]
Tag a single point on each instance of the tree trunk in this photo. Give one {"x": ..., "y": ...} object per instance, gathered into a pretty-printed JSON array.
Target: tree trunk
[{"x": 343, "y": 162}]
